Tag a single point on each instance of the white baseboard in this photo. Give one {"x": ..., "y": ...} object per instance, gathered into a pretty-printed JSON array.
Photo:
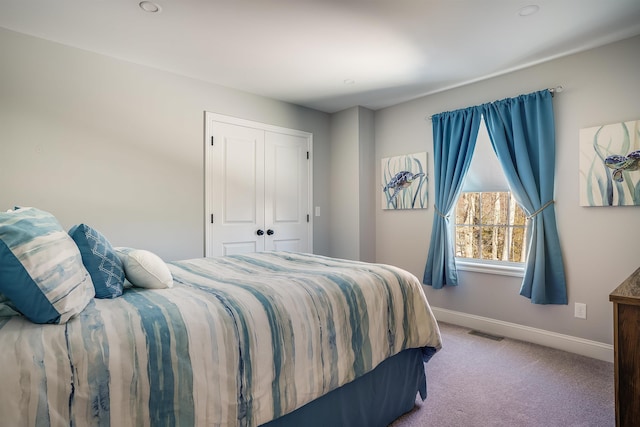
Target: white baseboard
[{"x": 594, "y": 349}]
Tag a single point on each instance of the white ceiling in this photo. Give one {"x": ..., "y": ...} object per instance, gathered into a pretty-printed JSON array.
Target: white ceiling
[{"x": 330, "y": 54}]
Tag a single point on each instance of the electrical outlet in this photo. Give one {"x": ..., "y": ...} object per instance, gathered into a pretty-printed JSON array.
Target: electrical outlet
[{"x": 580, "y": 310}]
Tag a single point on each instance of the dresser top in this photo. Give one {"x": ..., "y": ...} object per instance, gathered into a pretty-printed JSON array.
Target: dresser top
[{"x": 628, "y": 291}]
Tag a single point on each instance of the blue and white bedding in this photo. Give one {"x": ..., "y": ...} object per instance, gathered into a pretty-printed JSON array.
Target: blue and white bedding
[{"x": 237, "y": 341}]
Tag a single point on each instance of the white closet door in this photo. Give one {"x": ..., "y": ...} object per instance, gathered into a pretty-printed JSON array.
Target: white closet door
[
  {"x": 237, "y": 189},
  {"x": 257, "y": 187},
  {"x": 286, "y": 193}
]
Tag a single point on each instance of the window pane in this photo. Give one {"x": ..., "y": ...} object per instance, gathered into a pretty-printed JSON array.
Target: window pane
[
  {"x": 494, "y": 208},
  {"x": 517, "y": 253},
  {"x": 519, "y": 218},
  {"x": 493, "y": 243},
  {"x": 504, "y": 200},
  {"x": 467, "y": 242},
  {"x": 467, "y": 208},
  {"x": 486, "y": 208}
]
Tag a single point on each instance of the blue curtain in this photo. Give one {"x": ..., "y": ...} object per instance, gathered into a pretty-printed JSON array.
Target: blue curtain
[
  {"x": 522, "y": 133},
  {"x": 454, "y": 139}
]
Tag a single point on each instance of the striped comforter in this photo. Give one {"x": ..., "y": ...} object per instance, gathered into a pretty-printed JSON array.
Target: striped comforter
[{"x": 238, "y": 341}]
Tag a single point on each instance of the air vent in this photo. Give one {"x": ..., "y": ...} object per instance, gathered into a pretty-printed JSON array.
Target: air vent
[{"x": 485, "y": 335}]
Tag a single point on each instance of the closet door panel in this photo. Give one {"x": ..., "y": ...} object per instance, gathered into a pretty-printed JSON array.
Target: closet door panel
[
  {"x": 237, "y": 189},
  {"x": 286, "y": 192}
]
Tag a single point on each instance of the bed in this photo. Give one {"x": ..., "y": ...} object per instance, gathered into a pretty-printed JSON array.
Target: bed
[{"x": 273, "y": 338}]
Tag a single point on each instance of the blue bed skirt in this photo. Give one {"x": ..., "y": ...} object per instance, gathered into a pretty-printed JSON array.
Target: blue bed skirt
[{"x": 373, "y": 400}]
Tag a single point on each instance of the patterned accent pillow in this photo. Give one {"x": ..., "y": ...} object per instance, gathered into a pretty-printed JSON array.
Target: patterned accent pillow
[
  {"x": 41, "y": 269},
  {"x": 100, "y": 259},
  {"x": 145, "y": 269}
]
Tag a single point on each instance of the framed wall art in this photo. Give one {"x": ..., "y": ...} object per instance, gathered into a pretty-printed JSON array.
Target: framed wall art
[
  {"x": 405, "y": 182},
  {"x": 610, "y": 165}
]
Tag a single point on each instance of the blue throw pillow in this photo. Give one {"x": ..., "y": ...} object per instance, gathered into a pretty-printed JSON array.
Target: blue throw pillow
[
  {"x": 100, "y": 259},
  {"x": 41, "y": 269}
]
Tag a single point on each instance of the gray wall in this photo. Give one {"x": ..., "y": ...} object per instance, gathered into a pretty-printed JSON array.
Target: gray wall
[
  {"x": 345, "y": 185},
  {"x": 601, "y": 246},
  {"x": 368, "y": 189},
  {"x": 352, "y": 190},
  {"x": 120, "y": 146}
]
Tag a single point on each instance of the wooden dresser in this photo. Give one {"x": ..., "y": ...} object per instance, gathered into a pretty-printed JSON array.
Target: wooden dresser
[{"x": 626, "y": 342}]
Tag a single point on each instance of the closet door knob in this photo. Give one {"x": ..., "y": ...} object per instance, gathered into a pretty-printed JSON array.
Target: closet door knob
[
  {"x": 259, "y": 232},
  {"x": 270, "y": 232}
]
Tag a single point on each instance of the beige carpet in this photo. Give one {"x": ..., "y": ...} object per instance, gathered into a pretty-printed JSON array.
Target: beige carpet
[{"x": 476, "y": 381}]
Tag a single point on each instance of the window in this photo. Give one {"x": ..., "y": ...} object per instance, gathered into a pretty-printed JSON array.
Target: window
[
  {"x": 524, "y": 134},
  {"x": 490, "y": 226}
]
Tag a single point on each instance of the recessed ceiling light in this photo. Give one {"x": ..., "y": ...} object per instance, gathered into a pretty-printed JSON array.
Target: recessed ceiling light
[
  {"x": 529, "y": 10},
  {"x": 149, "y": 6}
]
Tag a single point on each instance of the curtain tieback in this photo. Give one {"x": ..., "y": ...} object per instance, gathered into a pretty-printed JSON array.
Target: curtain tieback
[
  {"x": 546, "y": 205},
  {"x": 440, "y": 213}
]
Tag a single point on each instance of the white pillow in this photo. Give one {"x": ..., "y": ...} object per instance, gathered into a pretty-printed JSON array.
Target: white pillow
[{"x": 145, "y": 269}]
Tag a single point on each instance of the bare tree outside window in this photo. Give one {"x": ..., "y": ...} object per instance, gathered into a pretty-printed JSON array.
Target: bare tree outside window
[{"x": 490, "y": 226}]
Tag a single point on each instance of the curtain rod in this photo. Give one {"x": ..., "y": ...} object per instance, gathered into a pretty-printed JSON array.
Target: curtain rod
[{"x": 553, "y": 91}]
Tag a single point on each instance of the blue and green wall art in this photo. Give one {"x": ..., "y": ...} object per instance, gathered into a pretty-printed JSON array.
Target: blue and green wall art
[
  {"x": 405, "y": 182},
  {"x": 610, "y": 165}
]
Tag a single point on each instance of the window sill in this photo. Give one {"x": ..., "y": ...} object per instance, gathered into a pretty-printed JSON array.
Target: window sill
[{"x": 504, "y": 268}]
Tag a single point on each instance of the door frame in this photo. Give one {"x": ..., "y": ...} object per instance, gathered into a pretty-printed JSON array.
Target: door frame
[{"x": 208, "y": 166}]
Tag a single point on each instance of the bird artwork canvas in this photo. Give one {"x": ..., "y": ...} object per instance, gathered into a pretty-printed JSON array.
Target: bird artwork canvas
[
  {"x": 405, "y": 182},
  {"x": 610, "y": 165}
]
